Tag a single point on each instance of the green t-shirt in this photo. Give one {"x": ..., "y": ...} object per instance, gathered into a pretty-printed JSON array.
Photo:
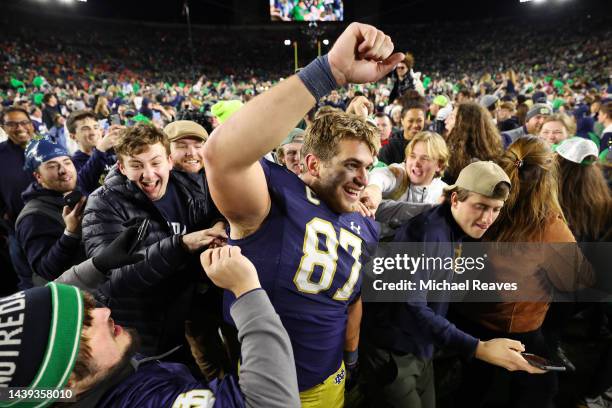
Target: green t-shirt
[{"x": 297, "y": 13}]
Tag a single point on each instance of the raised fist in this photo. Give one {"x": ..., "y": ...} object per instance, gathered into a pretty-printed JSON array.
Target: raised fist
[{"x": 362, "y": 54}]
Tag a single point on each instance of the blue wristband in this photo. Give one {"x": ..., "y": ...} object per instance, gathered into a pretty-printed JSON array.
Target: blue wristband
[
  {"x": 318, "y": 78},
  {"x": 351, "y": 357}
]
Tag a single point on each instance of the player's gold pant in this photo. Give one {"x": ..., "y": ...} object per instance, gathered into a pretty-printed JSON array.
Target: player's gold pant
[{"x": 329, "y": 394}]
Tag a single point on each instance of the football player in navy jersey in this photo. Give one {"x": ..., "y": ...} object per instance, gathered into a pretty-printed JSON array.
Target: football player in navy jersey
[{"x": 306, "y": 235}]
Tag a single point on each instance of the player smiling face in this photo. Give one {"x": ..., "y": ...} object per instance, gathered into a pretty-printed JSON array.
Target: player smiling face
[
  {"x": 341, "y": 179},
  {"x": 338, "y": 151}
]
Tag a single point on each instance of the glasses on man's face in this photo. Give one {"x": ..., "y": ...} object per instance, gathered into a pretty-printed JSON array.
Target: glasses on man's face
[
  {"x": 401, "y": 68},
  {"x": 14, "y": 125}
]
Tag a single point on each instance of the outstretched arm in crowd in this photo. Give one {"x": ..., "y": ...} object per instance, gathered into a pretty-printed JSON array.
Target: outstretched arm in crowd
[
  {"x": 236, "y": 179},
  {"x": 90, "y": 274},
  {"x": 501, "y": 352},
  {"x": 267, "y": 372}
]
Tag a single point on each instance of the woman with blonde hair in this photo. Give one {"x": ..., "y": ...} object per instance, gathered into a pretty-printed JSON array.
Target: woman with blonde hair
[
  {"x": 403, "y": 190},
  {"x": 527, "y": 235},
  {"x": 557, "y": 128},
  {"x": 417, "y": 180},
  {"x": 472, "y": 136}
]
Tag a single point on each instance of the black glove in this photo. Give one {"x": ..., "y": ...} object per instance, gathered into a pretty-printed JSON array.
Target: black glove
[{"x": 117, "y": 253}]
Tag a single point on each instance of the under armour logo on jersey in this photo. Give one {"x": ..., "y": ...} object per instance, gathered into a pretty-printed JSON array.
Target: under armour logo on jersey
[
  {"x": 339, "y": 377},
  {"x": 356, "y": 228}
]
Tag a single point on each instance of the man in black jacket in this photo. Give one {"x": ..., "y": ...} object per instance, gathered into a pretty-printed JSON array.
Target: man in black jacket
[
  {"x": 48, "y": 231},
  {"x": 17, "y": 124},
  {"x": 153, "y": 295}
]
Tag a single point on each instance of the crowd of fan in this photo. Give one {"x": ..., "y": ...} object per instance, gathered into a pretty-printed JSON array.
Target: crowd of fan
[{"x": 72, "y": 103}]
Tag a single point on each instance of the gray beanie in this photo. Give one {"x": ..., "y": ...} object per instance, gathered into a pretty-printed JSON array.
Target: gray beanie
[
  {"x": 538, "y": 109},
  {"x": 488, "y": 100}
]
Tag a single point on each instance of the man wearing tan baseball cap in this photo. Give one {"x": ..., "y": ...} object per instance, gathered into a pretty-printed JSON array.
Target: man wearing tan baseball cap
[
  {"x": 412, "y": 328},
  {"x": 186, "y": 145},
  {"x": 477, "y": 196}
]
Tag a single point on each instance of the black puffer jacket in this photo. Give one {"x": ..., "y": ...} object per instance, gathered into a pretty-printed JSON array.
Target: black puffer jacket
[
  {"x": 40, "y": 231},
  {"x": 153, "y": 295}
]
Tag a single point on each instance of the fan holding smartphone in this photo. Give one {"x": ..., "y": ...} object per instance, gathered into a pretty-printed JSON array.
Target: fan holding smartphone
[
  {"x": 49, "y": 227},
  {"x": 74, "y": 204}
]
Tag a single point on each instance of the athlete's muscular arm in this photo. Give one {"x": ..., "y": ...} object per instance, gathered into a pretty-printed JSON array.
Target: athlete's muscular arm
[
  {"x": 353, "y": 325},
  {"x": 235, "y": 177},
  {"x": 236, "y": 180}
]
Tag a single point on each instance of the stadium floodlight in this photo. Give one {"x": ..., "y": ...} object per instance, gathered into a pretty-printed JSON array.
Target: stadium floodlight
[
  {"x": 287, "y": 42},
  {"x": 326, "y": 42}
]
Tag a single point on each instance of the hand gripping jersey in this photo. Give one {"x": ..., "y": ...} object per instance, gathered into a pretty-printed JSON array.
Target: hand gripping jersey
[{"x": 309, "y": 262}]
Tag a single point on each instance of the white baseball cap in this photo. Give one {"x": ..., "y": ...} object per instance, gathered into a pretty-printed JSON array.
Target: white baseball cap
[{"x": 577, "y": 149}]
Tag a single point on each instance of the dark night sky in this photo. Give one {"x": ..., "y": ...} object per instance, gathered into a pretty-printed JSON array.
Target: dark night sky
[{"x": 256, "y": 11}]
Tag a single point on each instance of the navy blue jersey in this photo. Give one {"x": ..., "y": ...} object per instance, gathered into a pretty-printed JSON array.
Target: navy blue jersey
[
  {"x": 162, "y": 384},
  {"x": 309, "y": 261}
]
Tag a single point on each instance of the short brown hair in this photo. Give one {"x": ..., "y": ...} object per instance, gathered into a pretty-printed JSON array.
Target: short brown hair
[
  {"x": 328, "y": 129},
  {"x": 606, "y": 108},
  {"x": 75, "y": 117},
  {"x": 508, "y": 106},
  {"x": 137, "y": 139}
]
